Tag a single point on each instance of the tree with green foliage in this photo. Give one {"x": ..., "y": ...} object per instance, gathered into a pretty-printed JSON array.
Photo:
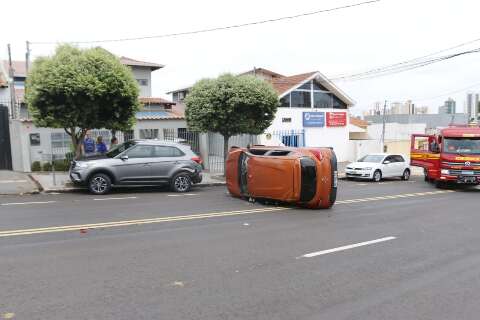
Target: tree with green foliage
[
  {"x": 231, "y": 105},
  {"x": 81, "y": 89}
]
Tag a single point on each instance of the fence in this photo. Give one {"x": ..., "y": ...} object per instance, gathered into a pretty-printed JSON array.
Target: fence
[
  {"x": 182, "y": 135},
  {"x": 215, "y": 149},
  {"x": 61, "y": 142},
  {"x": 290, "y": 138}
]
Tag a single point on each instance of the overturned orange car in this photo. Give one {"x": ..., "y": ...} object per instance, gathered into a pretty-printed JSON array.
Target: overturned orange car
[{"x": 303, "y": 176}]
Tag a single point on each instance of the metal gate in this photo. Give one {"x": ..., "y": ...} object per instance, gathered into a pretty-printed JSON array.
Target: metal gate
[{"x": 5, "y": 148}]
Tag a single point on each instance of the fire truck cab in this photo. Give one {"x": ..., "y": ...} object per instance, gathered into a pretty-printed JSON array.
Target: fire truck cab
[{"x": 452, "y": 155}]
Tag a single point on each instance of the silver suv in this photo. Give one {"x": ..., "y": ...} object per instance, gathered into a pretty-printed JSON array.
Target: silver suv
[{"x": 139, "y": 162}]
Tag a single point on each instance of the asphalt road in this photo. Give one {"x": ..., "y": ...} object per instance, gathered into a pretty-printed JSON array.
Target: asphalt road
[{"x": 396, "y": 250}]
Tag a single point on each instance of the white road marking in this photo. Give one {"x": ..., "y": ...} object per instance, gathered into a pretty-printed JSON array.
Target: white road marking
[
  {"x": 122, "y": 198},
  {"x": 351, "y": 246},
  {"x": 13, "y": 181},
  {"x": 21, "y": 203},
  {"x": 191, "y": 194},
  {"x": 174, "y": 195}
]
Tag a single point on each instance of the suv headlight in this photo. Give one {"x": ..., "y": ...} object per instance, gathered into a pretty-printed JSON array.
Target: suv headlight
[
  {"x": 82, "y": 165},
  {"x": 445, "y": 171}
]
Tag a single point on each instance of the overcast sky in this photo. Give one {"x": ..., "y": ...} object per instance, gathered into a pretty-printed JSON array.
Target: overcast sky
[{"x": 333, "y": 43}]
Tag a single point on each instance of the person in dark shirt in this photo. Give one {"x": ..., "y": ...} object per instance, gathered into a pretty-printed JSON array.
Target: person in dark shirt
[
  {"x": 101, "y": 146},
  {"x": 88, "y": 145}
]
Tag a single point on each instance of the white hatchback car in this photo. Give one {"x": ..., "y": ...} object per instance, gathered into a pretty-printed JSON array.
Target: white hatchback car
[{"x": 379, "y": 165}]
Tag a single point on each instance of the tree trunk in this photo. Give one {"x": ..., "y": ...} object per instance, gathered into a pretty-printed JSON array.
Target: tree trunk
[{"x": 225, "y": 154}]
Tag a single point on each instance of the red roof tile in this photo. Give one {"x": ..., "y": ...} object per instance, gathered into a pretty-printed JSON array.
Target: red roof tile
[
  {"x": 359, "y": 122},
  {"x": 283, "y": 84},
  {"x": 18, "y": 67}
]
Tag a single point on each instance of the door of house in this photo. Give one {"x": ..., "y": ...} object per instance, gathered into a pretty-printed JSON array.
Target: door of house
[{"x": 5, "y": 148}]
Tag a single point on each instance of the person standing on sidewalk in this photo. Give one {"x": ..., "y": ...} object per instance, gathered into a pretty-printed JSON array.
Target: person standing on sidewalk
[
  {"x": 88, "y": 145},
  {"x": 101, "y": 146}
]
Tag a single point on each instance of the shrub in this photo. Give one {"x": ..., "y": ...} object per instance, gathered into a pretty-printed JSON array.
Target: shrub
[
  {"x": 47, "y": 166},
  {"x": 70, "y": 156},
  {"x": 61, "y": 165},
  {"x": 36, "y": 166}
]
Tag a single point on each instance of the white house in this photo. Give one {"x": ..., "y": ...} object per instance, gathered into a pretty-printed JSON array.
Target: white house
[
  {"x": 313, "y": 111},
  {"x": 157, "y": 119}
]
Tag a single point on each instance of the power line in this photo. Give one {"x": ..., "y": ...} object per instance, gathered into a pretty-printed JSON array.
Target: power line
[
  {"x": 417, "y": 58},
  {"x": 177, "y": 34}
]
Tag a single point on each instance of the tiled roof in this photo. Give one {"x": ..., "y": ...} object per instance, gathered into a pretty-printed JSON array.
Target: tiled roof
[
  {"x": 152, "y": 100},
  {"x": 284, "y": 84},
  {"x": 18, "y": 67},
  {"x": 264, "y": 71},
  {"x": 137, "y": 63},
  {"x": 359, "y": 122},
  {"x": 157, "y": 115}
]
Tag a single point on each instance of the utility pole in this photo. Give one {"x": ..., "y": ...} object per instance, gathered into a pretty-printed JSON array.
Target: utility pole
[
  {"x": 27, "y": 64},
  {"x": 11, "y": 75},
  {"x": 383, "y": 125}
]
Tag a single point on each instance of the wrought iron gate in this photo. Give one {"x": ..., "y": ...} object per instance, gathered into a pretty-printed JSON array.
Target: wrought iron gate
[{"x": 5, "y": 147}]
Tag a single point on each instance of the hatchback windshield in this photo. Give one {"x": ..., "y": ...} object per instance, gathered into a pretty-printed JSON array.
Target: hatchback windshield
[
  {"x": 120, "y": 148},
  {"x": 462, "y": 146},
  {"x": 372, "y": 158}
]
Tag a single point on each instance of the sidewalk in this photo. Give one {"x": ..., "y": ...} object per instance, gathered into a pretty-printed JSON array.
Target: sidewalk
[
  {"x": 62, "y": 183},
  {"x": 12, "y": 182}
]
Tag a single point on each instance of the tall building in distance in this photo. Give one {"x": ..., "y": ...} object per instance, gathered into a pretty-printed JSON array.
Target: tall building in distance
[
  {"x": 473, "y": 105},
  {"x": 449, "y": 107},
  {"x": 421, "y": 110}
]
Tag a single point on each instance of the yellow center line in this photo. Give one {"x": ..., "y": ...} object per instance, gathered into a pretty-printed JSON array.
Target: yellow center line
[
  {"x": 103, "y": 225},
  {"x": 397, "y": 196},
  {"x": 9, "y": 233}
]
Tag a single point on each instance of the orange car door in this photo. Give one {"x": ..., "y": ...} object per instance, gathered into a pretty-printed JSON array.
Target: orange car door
[{"x": 271, "y": 177}]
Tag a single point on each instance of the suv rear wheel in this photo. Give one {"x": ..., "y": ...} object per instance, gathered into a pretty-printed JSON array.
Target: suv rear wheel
[
  {"x": 181, "y": 183},
  {"x": 99, "y": 183}
]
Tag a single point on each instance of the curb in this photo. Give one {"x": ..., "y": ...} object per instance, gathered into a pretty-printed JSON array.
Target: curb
[
  {"x": 71, "y": 190},
  {"x": 36, "y": 182}
]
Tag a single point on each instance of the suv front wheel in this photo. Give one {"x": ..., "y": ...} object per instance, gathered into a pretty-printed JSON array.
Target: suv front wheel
[
  {"x": 181, "y": 183},
  {"x": 99, "y": 183}
]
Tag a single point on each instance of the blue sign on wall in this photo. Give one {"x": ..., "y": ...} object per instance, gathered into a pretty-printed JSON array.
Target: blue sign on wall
[{"x": 314, "y": 119}]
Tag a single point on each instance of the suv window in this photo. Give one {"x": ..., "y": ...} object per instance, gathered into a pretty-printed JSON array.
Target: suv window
[
  {"x": 166, "y": 151},
  {"x": 140, "y": 152}
]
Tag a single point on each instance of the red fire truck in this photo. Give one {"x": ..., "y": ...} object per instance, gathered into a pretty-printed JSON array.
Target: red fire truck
[{"x": 452, "y": 155}]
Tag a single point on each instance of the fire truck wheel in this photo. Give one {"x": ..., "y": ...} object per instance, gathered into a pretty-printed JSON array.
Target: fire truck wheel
[{"x": 440, "y": 184}]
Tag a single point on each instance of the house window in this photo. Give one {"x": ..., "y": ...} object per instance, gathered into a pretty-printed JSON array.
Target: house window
[
  {"x": 285, "y": 101},
  {"x": 142, "y": 82},
  {"x": 60, "y": 140},
  {"x": 306, "y": 86},
  {"x": 338, "y": 104},
  {"x": 301, "y": 99},
  {"x": 148, "y": 133},
  {"x": 322, "y": 100}
]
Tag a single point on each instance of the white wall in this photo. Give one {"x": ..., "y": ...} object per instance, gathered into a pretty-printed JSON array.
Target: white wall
[
  {"x": 336, "y": 137},
  {"x": 143, "y": 73},
  {"x": 396, "y": 131}
]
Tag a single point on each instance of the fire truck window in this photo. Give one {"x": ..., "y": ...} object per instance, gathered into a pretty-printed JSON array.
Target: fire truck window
[{"x": 421, "y": 143}]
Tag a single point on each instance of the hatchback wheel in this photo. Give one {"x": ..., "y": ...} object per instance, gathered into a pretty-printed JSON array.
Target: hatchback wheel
[
  {"x": 377, "y": 176},
  {"x": 181, "y": 183},
  {"x": 406, "y": 175},
  {"x": 99, "y": 183}
]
